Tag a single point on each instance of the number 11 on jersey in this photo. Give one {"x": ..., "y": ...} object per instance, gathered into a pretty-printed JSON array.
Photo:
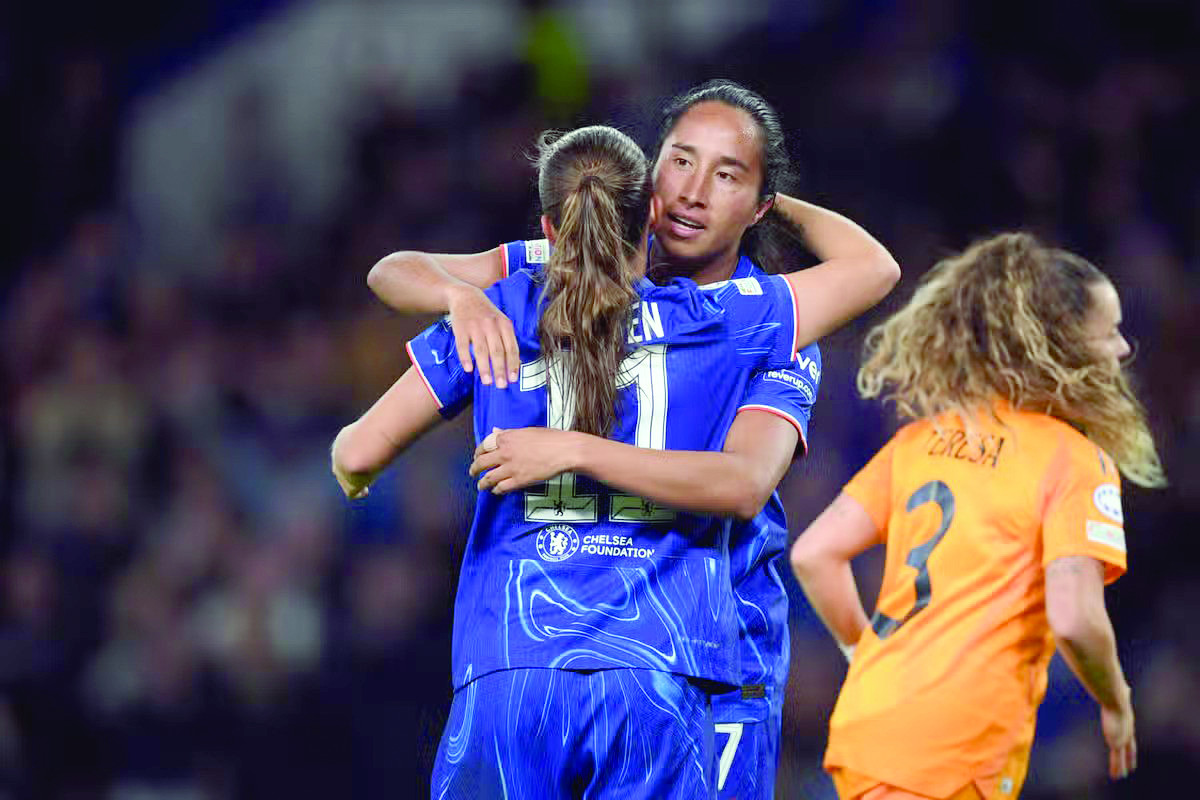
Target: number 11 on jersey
[{"x": 645, "y": 371}]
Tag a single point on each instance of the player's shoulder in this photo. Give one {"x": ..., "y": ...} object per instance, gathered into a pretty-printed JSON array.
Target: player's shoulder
[
  {"x": 685, "y": 303},
  {"x": 525, "y": 283},
  {"x": 749, "y": 302},
  {"x": 525, "y": 254},
  {"x": 808, "y": 359},
  {"x": 1058, "y": 446},
  {"x": 745, "y": 286},
  {"x": 916, "y": 430},
  {"x": 518, "y": 296},
  {"x": 1051, "y": 432}
]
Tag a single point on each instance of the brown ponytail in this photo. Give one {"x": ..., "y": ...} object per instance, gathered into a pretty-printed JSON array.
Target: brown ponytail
[{"x": 595, "y": 188}]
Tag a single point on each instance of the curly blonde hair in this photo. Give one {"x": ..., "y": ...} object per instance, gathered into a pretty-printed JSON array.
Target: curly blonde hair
[{"x": 1005, "y": 319}]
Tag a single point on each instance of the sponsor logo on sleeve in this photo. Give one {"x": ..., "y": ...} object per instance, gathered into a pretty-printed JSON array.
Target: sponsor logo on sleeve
[
  {"x": 557, "y": 542},
  {"x": 809, "y": 365},
  {"x": 793, "y": 380},
  {"x": 1107, "y": 499},
  {"x": 1106, "y": 534},
  {"x": 537, "y": 251}
]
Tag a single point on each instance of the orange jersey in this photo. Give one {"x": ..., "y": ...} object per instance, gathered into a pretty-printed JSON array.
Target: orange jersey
[{"x": 945, "y": 684}]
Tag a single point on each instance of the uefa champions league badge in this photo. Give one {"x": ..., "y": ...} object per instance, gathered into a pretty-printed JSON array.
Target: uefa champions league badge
[
  {"x": 557, "y": 542},
  {"x": 1107, "y": 499}
]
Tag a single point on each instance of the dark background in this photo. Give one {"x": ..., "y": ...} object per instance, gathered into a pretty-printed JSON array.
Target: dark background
[{"x": 193, "y": 194}]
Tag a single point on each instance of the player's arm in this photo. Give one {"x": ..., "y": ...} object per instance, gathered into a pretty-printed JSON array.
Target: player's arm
[
  {"x": 855, "y": 272},
  {"x": 821, "y": 562},
  {"x": 366, "y": 446},
  {"x": 415, "y": 283},
  {"x": 734, "y": 482},
  {"x": 1077, "y": 615}
]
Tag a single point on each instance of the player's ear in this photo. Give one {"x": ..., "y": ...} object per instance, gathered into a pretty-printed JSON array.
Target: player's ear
[
  {"x": 656, "y": 212},
  {"x": 548, "y": 229},
  {"x": 763, "y": 208}
]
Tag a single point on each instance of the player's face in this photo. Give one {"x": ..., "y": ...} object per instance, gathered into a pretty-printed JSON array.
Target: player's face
[
  {"x": 1102, "y": 324},
  {"x": 708, "y": 176}
]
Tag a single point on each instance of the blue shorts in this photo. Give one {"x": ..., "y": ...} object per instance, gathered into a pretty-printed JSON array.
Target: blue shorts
[
  {"x": 747, "y": 747},
  {"x": 527, "y": 734}
]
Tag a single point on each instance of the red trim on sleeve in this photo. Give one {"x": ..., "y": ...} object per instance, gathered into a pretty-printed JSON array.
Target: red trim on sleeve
[
  {"x": 421, "y": 375},
  {"x": 782, "y": 414},
  {"x": 504, "y": 258}
]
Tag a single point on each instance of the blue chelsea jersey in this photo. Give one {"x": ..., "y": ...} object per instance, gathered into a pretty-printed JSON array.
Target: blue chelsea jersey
[
  {"x": 572, "y": 574},
  {"x": 757, "y": 545}
]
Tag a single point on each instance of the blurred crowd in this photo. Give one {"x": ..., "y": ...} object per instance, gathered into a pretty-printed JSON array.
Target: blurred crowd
[{"x": 188, "y": 608}]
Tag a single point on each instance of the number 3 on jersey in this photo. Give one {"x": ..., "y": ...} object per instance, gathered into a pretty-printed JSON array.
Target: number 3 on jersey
[
  {"x": 918, "y": 558},
  {"x": 645, "y": 370}
]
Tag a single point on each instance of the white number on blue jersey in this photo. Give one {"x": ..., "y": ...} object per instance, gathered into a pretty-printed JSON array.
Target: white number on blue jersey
[
  {"x": 734, "y": 730},
  {"x": 560, "y": 502},
  {"x": 645, "y": 370}
]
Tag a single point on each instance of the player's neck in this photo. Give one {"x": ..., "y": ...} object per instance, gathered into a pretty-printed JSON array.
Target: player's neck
[
  {"x": 718, "y": 268},
  {"x": 721, "y": 269}
]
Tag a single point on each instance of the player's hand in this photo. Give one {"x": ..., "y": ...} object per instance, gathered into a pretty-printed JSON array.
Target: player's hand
[
  {"x": 353, "y": 485},
  {"x": 511, "y": 460},
  {"x": 1117, "y": 725},
  {"x": 479, "y": 326}
]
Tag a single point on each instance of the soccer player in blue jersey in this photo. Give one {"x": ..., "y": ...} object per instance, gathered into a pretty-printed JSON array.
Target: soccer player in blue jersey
[
  {"x": 585, "y": 616},
  {"x": 720, "y": 162}
]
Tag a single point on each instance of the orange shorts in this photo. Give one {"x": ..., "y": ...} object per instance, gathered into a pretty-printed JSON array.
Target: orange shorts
[{"x": 850, "y": 786}]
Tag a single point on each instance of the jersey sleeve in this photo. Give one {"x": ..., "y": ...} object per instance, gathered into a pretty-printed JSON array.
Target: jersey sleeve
[
  {"x": 1083, "y": 515},
  {"x": 525, "y": 253},
  {"x": 435, "y": 359},
  {"x": 761, "y": 314},
  {"x": 788, "y": 393},
  {"x": 872, "y": 487}
]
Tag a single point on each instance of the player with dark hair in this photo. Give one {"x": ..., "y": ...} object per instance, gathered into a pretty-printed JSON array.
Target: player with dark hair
[{"x": 720, "y": 166}]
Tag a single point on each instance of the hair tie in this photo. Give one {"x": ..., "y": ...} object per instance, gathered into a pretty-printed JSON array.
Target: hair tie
[{"x": 591, "y": 179}]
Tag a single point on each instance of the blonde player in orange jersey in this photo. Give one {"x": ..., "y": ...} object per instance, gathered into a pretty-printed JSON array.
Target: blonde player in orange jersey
[{"x": 1000, "y": 508}]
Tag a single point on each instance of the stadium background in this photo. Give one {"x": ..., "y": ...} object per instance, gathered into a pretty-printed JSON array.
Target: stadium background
[{"x": 194, "y": 192}]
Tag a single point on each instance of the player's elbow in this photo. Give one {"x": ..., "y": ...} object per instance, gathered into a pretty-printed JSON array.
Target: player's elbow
[
  {"x": 750, "y": 493},
  {"x": 1072, "y": 618},
  {"x": 747, "y": 505},
  {"x": 1075, "y": 599},
  {"x": 378, "y": 276},
  {"x": 350, "y": 455},
  {"x": 887, "y": 271},
  {"x": 804, "y": 557}
]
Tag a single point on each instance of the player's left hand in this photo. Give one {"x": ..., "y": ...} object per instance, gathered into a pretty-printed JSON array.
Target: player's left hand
[{"x": 514, "y": 459}]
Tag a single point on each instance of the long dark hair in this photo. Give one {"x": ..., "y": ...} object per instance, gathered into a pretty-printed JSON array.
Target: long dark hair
[
  {"x": 595, "y": 187},
  {"x": 771, "y": 244}
]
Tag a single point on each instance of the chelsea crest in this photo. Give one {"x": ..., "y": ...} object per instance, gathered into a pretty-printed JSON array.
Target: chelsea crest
[{"x": 557, "y": 542}]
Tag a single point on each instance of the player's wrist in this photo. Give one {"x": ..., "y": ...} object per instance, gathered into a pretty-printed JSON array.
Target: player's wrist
[
  {"x": 573, "y": 455},
  {"x": 456, "y": 292},
  {"x": 1124, "y": 699}
]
